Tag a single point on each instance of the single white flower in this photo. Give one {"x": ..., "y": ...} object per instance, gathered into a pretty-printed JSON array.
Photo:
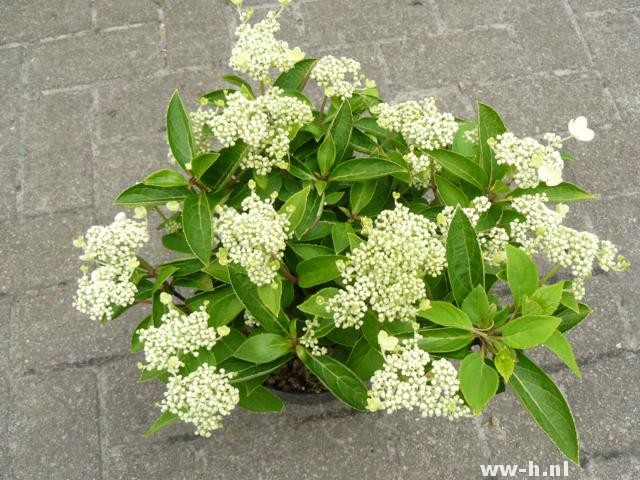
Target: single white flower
[
  {"x": 579, "y": 130},
  {"x": 173, "y": 206},
  {"x": 550, "y": 175},
  {"x": 165, "y": 298},
  {"x": 386, "y": 341},
  {"x": 140, "y": 213}
]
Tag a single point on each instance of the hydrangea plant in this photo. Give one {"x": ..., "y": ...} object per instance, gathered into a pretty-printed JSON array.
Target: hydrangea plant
[{"x": 392, "y": 249}]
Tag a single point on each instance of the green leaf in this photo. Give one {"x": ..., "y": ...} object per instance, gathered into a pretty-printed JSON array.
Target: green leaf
[
  {"x": 202, "y": 163},
  {"x": 544, "y": 300},
  {"x": 450, "y": 193},
  {"x": 546, "y": 405},
  {"x": 176, "y": 242},
  {"x": 223, "y": 305},
  {"x": 476, "y": 305},
  {"x": 563, "y": 193},
  {"x": 246, "y": 371},
  {"x": 316, "y": 305},
  {"x": 461, "y": 167},
  {"x": 447, "y": 315},
  {"x": 220, "y": 172},
  {"x": 150, "y": 196},
  {"x": 361, "y": 169},
  {"x": 227, "y": 346},
  {"x": 340, "y": 129},
  {"x": 360, "y": 195},
  {"x": 505, "y": 363},
  {"x": 326, "y": 154},
  {"x": 460, "y": 143},
  {"x": 559, "y": 345},
  {"x": 437, "y": 340},
  {"x": 309, "y": 250},
  {"x": 340, "y": 236},
  {"x": 318, "y": 270},
  {"x": 312, "y": 212},
  {"x": 136, "y": 344},
  {"x": 164, "y": 420},
  {"x": 197, "y": 226},
  {"x": 570, "y": 319},
  {"x": 372, "y": 326},
  {"x": 247, "y": 292},
  {"x": 166, "y": 178},
  {"x": 295, "y": 207},
  {"x": 529, "y": 331},
  {"x": 364, "y": 360},
  {"x": 522, "y": 273},
  {"x": 569, "y": 300},
  {"x": 271, "y": 296},
  {"x": 245, "y": 87},
  {"x": 337, "y": 378},
  {"x": 296, "y": 77},
  {"x": 464, "y": 257},
  {"x": 263, "y": 348},
  {"x": 162, "y": 274},
  {"x": 478, "y": 381},
  {"x": 490, "y": 125},
  {"x": 179, "y": 131},
  {"x": 261, "y": 400}
]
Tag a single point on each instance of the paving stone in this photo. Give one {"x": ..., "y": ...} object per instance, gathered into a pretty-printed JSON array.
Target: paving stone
[
  {"x": 94, "y": 56},
  {"x": 10, "y": 60},
  {"x": 9, "y": 159},
  {"x": 47, "y": 330},
  {"x": 613, "y": 39},
  {"x": 111, "y": 13},
  {"x": 137, "y": 108},
  {"x": 611, "y": 151},
  {"x": 547, "y": 36},
  {"x": 581, "y": 6},
  {"x": 54, "y": 426},
  {"x": 27, "y": 20},
  {"x": 546, "y": 104},
  {"x": 624, "y": 467},
  {"x": 467, "y": 14},
  {"x": 354, "y": 22},
  {"x": 429, "y": 61},
  {"x": 38, "y": 252},
  {"x": 197, "y": 33},
  {"x": 449, "y": 99},
  {"x": 5, "y": 316},
  {"x": 57, "y": 166},
  {"x": 627, "y": 96}
]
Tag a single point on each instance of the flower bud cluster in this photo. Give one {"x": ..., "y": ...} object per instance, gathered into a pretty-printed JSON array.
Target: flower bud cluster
[
  {"x": 404, "y": 383},
  {"x": 532, "y": 161},
  {"x": 179, "y": 334},
  {"x": 255, "y": 238},
  {"x": 421, "y": 124},
  {"x": 263, "y": 124},
  {"x": 309, "y": 339},
  {"x": 386, "y": 272},
  {"x": 258, "y": 50},
  {"x": 203, "y": 398},
  {"x": 114, "y": 249},
  {"x": 339, "y": 77},
  {"x": 422, "y": 166}
]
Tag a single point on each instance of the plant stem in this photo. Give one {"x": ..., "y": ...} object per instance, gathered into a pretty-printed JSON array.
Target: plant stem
[
  {"x": 556, "y": 268},
  {"x": 160, "y": 213},
  {"x": 321, "y": 114},
  {"x": 287, "y": 274}
]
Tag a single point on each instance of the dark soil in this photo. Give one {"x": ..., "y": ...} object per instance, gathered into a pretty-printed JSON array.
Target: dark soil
[{"x": 294, "y": 377}]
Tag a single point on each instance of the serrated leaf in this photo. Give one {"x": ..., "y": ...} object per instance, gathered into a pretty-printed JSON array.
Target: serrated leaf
[{"x": 529, "y": 331}]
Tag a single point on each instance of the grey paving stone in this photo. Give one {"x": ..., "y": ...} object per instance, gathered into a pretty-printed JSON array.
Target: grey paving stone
[
  {"x": 627, "y": 97},
  {"x": 137, "y": 108},
  {"x": 624, "y": 467},
  {"x": 582, "y": 6},
  {"x": 546, "y": 104},
  {"x": 449, "y": 99},
  {"x": 38, "y": 252},
  {"x": 197, "y": 33},
  {"x": 429, "y": 61},
  {"x": 613, "y": 39},
  {"x": 54, "y": 426},
  {"x": 357, "y": 22},
  {"x": 471, "y": 13},
  {"x": 9, "y": 159},
  {"x": 5, "y": 316},
  {"x": 547, "y": 36},
  {"x": 27, "y": 20},
  {"x": 57, "y": 166},
  {"x": 10, "y": 61},
  {"x": 47, "y": 330},
  {"x": 611, "y": 151},
  {"x": 94, "y": 56},
  {"x": 111, "y": 13}
]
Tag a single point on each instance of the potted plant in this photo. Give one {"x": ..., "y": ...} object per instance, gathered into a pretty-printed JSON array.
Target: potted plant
[{"x": 349, "y": 246}]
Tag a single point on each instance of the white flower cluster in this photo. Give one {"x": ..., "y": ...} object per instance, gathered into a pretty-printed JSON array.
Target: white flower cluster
[
  {"x": 542, "y": 232},
  {"x": 309, "y": 339},
  {"x": 421, "y": 166},
  {"x": 421, "y": 124},
  {"x": 386, "y": 271},
  {"x": 202, "y": 135},
  {"x": 404, "y": 383},
  {"x": 339, "y": 77},
  {"x": 178, "y": 334},
  {"x": 264, "y": 124},
  {"x": 533, "y": 162},
  {"x": 114, "y": 249},
  {"x": 203, "y": 398},
  {"x": 493, "y": 243},
  {"x": 255, "y": 238},
  {"x": 258, "y": 50},
  {"x": 479, "y": 205}
]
